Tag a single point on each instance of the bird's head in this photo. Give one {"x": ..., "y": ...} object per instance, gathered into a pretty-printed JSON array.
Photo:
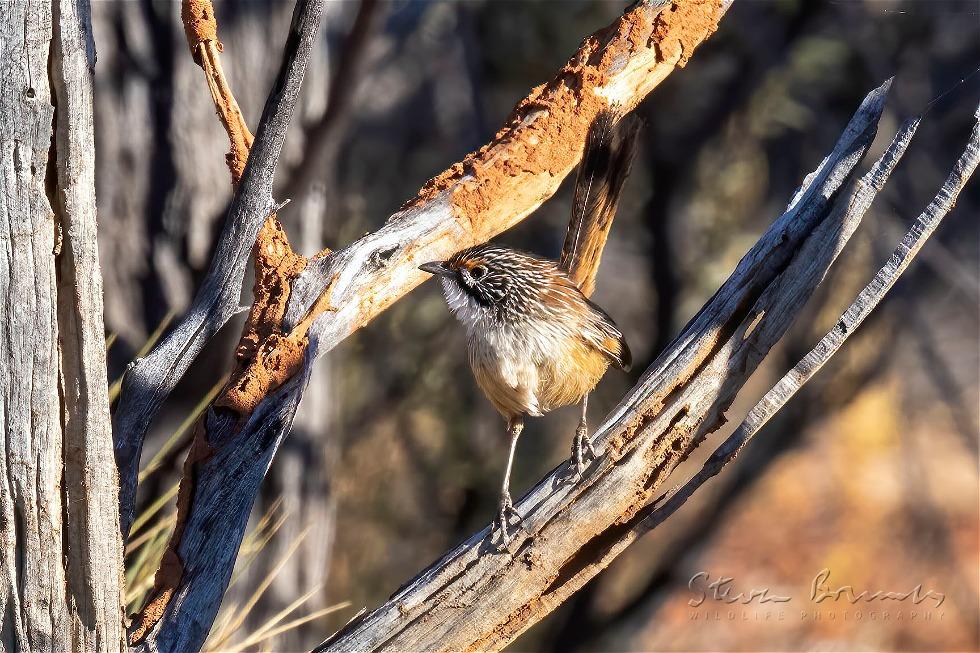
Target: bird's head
[{"x": 488, "y": 279}]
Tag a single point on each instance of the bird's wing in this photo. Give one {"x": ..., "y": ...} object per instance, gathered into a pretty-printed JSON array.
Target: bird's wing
[{"x": 603, "y": 334}]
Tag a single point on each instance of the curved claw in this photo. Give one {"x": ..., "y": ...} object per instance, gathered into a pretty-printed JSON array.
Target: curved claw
[
  {"x": 589, "y": 450},
  {"x": 507, "y": 516},
  {"x": 582, "y": 453}
]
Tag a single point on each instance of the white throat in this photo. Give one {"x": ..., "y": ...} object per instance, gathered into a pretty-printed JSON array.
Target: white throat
[{"x": 466, "y": 309}]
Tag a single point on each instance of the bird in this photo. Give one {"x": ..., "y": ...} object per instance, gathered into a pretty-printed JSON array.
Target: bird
[{"x": 535, "y": 341}]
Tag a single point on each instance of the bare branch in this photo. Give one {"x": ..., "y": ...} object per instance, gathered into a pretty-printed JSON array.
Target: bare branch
[
  {"x": 319, "y": 136},
  {"x": 60, "y": 569},
  {"x": 488, "y": 192},
  {"x": 506, "y": 180},
  {"x": 866, "y": 301},
  {"x": 474, "y": 598},
  {"x": 183, "y": 624},
  {"x": 201, "y": 29},
  {"x": 150, "y": 380}
]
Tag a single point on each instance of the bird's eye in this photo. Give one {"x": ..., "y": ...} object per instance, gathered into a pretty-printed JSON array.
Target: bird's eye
[{"x": 478, "y": 272}]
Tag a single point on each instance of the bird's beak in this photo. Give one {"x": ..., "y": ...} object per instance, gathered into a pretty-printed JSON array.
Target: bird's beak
[{"x": 435, "y": 267}]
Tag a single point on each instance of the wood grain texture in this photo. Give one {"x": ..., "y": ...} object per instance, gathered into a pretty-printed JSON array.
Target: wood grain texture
[
  {"x": 150, "y": 380},
  {"x": 475, "y": 598},
  {"x": 306, "y": 497},
  {"x": 93, "y": 548},
  {"x": 34, "y": 607},
  {"x": 60, "y": 565},
  {"x": 852, "y": 318},
  {"x": 469, "y": 203},
  {"x": 197, "y": 565}
]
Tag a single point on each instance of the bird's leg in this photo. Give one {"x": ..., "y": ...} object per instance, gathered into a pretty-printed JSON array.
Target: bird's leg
[
  {"x": 514, "y": 427},
  {"x": 582, "y": 446}
]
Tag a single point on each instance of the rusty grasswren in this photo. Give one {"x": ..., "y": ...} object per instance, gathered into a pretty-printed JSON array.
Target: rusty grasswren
[{"x": 535, "y": 341}]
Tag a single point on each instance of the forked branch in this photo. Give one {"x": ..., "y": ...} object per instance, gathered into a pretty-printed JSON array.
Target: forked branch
[
  {"x": 148, "y": 381},
  {"x": 475, "y": 598},
  {"x": 338, "y": 293},
  {"x": 485, "y": 194},
  {"x": 866, "y": 301}
]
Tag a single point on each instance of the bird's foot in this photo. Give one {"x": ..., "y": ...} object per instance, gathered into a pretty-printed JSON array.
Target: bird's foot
[
  {"x": 507, "y": 516},
  {"x": 582, "y": 453}
]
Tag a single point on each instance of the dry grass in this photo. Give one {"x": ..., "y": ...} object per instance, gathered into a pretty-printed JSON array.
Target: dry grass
[{"x": 153, "y": 527}]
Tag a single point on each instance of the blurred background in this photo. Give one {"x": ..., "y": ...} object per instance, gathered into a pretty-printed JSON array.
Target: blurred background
[{"x": 870, "y": 472}]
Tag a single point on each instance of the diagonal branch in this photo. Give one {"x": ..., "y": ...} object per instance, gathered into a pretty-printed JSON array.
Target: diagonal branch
[
  {"x": 150, "y": 380},
  {"x": 475, "y": 599},
  {"x": 506, "y": 180},
  {"x": 492, "y": 189},
  {"x": 850, "y": 320}
]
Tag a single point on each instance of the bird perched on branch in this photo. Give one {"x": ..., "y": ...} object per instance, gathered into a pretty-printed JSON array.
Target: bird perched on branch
[{"x": 534, "y": 339}]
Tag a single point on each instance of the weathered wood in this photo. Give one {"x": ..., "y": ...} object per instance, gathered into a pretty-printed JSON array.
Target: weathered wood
[
  {"x": 93, "y": 547},
  {"x": 32, "y": 597},
  {"x": 150, "y": 380},
  {"x": 491, "y": 190},
  {"x": 197, "y": 565},
  {"x": 505, "y": 181},
  {"x": 477, "y": 599},
  {"x": 467, "y": 204},
  {"x": 60, "y": 564},
  {"x": 855, "y": 314},
  {"x": 305, "y": 497}
]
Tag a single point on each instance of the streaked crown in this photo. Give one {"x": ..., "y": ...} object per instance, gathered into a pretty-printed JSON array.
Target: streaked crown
[{"x": 501, "y": 277}]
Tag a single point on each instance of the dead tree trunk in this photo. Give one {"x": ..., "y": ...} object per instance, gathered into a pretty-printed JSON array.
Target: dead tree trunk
[{"x": 61, "y": 559}]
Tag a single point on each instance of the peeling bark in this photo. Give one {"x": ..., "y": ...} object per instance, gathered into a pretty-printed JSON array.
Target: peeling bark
[
  {"x": 150, "y": 380},
  {"x": 183, "y": 624}
]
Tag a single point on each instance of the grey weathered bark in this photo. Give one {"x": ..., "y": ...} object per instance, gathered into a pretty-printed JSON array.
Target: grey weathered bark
[
  {"x": 303, "y": 472},
  {"x": 238, "y": 436},
  {"x": 866, "y": 301},
  {"x": 35, "y": 610},
  {"x": 467, "y": 204},
  {"x": 474, "y": 599},
  {"x": 94, "y": 552},
  {"x": 197, "y": 567},
  {"x": 61, "y": 561},
  {"x": 852, "y": 318},
  {"x": 149, "y": 380},
  {"x": 299, "y": 480}
]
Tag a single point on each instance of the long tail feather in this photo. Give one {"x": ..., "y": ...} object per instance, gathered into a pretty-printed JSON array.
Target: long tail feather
[{"x": 609, "y": 151}]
